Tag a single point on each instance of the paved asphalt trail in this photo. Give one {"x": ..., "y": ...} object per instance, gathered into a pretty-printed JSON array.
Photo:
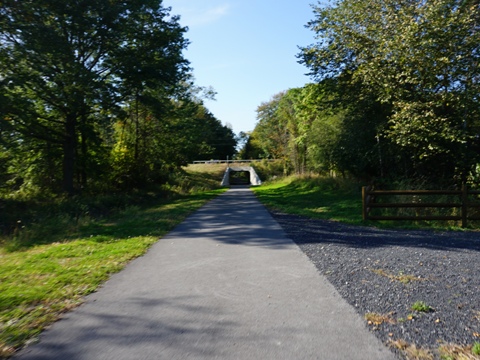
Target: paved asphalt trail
[{"x": 225, "y": 284}]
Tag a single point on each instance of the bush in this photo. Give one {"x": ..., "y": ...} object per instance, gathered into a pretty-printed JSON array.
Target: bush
[{"x": 269, "y": 170}]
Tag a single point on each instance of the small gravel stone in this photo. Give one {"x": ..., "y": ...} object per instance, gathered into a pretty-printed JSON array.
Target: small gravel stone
[{"x": 387, "y": 271}]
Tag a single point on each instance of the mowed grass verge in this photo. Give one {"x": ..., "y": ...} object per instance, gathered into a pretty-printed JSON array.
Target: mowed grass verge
[
  {"x": 38, "y": 283},
  {"x": 336, "y": 199},
  {"x": 315, "y": 197}
]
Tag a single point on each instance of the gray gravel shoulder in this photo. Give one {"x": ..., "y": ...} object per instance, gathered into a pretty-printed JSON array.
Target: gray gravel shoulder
[{"x": 386, "y": 271}]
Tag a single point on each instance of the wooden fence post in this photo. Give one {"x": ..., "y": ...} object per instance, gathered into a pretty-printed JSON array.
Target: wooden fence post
[
  {"x": 365, "y": 200},
  {"x": 464, "y": 205}
]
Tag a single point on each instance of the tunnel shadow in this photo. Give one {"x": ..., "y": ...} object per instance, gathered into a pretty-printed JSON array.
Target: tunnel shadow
[{"x": 240, "y": 178}]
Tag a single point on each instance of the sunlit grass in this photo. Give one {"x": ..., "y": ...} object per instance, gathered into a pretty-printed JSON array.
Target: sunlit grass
[
  {"x": 328, "y": 198},
  {"x": 314, "y": 196},
  {"x": 40, "y": 281},
  {"x": 204, "y": 176}
]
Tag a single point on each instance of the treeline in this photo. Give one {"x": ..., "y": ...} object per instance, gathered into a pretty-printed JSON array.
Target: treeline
[
  {"x": 396, "y": 94},
  {"x": 96, "y": 95}
]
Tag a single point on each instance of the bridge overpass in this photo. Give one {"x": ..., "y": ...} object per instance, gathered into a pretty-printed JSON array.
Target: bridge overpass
[{"x": 230, "y": 161}]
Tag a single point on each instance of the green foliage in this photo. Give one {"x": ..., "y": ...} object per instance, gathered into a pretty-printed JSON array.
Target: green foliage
[
  {"x": 298, "y": 126},
  {"x": 476, "y": 349},
  {"x": 66, "y": 70},
  {"x": 420, "y": 61},
  {"x": 211, "y": 139},
  {"x": 421, "y": 306},
  {"x": 269, "y": 169},
  {"x": 270, "y": 137},
  {"x": 396, "y": 98},
  {"x": 150, "y": 145}
]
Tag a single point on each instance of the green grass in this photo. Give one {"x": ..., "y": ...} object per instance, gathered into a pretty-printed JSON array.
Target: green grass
[
  {"x": 421, "y": 306},
  {"x": 201, "y": 177},
  {"x": 476, "y": 349},
  {"x": 328, "y": 198},
  {"x": 315, "y": 197},
  {"x": 41, "y": 279}
]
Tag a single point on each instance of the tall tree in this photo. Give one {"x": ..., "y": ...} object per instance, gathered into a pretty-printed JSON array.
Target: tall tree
[
  {"x": 271, "y": 132},
  {"x": 319, "y": 122},
  {"x": 422, "y": 58},
  {"x": 72, "y": 61},
  {"x": 154, "y": 141}
]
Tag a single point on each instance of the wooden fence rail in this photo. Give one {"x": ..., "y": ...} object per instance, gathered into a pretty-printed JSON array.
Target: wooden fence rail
[{"x": 370, "y": 201}]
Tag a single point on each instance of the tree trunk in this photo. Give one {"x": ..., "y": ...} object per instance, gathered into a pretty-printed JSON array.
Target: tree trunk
[
  {"x": 84, "y": 153},
  {"x": 69, "y": 154},
  {"x": 137, "y": 130}
]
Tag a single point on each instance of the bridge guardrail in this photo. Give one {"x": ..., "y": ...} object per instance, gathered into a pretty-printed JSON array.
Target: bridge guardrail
[{"x": 229, "y": 161}]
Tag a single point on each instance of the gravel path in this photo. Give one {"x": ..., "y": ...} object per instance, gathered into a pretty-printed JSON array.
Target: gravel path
[{"x": 385, "y": 272}]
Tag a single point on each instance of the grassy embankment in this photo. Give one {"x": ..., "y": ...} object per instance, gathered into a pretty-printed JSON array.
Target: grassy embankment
[
  {"x": 315, "y": 197},
  {"x": 56, "y": 255}
]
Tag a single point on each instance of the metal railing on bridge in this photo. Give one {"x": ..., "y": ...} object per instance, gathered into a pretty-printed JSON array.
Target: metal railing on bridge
[{"x": 229, "y": 161}]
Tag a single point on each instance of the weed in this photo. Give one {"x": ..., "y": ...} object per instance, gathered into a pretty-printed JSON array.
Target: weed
[
  {"x": 411, "y": 351},
  {"x": 477, "y": 315},
  {"x": 476, "y": 349},
  {"x": 421, "y": 306},
  {"x": 459, "y": 352},
  {"x": 418, "y": 353},
  {"x": 403, "y": 278},
  {"x": 399, "y": 344},
  {"x": 378, "y": 319}
]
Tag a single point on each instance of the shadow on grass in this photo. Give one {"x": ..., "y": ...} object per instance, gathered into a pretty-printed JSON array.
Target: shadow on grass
[{"x": 150, "y": 217}]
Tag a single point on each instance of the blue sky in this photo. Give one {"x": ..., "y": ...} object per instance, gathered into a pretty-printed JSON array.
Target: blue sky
[{"x": 246, "y": 50}]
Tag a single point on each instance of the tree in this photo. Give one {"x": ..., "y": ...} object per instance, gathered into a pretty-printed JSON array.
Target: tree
[
  {"x": 71, "y": 64},
  {"x": 154, "y": 141},
  {"x": 320, "y": 121},
  {"x": 271, "y": 132},
  {"x": 420, "y": 58},
  {"x": 218, "y": 140}
]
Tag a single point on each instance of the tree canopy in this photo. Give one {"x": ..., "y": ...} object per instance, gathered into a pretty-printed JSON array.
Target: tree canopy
[
  {"x": 396, "y": 93},
  {"x": 80, "y": 80},
  {"x": 421, "y": 58}
]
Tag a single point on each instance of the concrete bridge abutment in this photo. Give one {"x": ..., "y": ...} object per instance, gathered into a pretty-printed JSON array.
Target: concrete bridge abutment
[{"x": 254, "y": 178}]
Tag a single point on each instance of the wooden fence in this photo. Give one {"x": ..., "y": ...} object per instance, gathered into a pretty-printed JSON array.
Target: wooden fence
[{"x": 370, "y": 198}]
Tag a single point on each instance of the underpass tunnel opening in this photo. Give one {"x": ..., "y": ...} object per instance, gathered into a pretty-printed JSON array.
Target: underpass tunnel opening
[{"x": 240, "y": 178}]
